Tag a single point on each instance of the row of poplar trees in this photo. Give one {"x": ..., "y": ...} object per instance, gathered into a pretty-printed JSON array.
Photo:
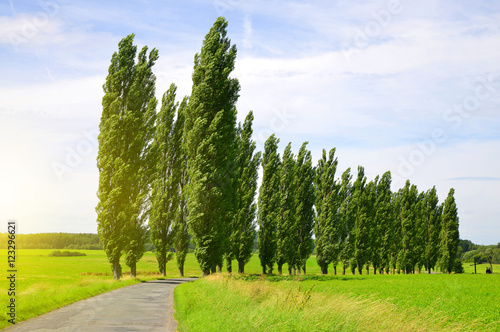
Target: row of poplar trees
[
  {"x": 357, "y": 224},
  {"x": 189, "y": 172},
  {"x": 184, "y": 172}
]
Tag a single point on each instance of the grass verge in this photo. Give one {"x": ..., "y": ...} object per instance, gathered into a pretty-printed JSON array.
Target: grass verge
[{"x": 226, "y": 303}]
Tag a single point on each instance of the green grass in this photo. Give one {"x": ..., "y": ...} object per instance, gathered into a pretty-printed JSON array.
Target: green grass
[
  {"x": 45, "y": 283},
  {"x": 418, "y": 302}
]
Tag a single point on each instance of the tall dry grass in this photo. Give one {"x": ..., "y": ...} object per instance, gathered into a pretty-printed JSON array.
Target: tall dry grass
[{"x": 334, "y": 312}]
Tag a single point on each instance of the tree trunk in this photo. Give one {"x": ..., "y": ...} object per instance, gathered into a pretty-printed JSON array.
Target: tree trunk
[
  {"x": 117, "y": 270},
  {"x": 241, "y": 266},
  {"x": 229, "y": 266},
  {"x": 206, "y": 273},
  {"x": 367, "y": 268},
  {"x": 304, "y": 269},
  {"x": 263, "y": 270},
  {"x": 343, "y": 269},
  {"x": 133, "y": 271},
  {"x": 335, "y": 269},
  {"x": 324, "y": 269},
  {"x": 219, "y": 267},
  {"x": 289, "y": 270},
  {"x": 214, "y": 269},
  {"x": 181, "y": 270},
  {"x": 280, "y": 269},
  {"x": 294, "y": 271},
  {"x": 163, "y": 270}
]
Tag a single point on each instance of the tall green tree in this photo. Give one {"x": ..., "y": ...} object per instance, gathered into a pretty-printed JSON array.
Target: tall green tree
[
  {"x": 268, "y": 204},
  {"x": 384, "y": 221},
  {"x": 243, "y": 231},
  {"x": 373, "y": 241},
  {"x": 433, "y": 228},
  {"x": 420, "y": 238},
  {"x": 181, "y": 237},
  {"x": 326, "y": 228},
  {"x": 450, "y": 236},
  {"x": 124, "y": 161},
  {"x": 286, "y": 241},
  {"x": 210, "y": 129},
  {"x": 361, "y": 246},
  {"x": 347, "y": 220},
  {"x": 407, "y": 218},
  {"x": 304, "y": 203},
  {"x": 165, "y": 188}
]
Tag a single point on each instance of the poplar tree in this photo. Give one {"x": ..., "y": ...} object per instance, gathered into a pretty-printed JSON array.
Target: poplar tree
[
  {"x": 347, "y": 220},
  {"x": 286, "y": 241},
  {"x": 433, "y": 228},
  {"x": 304, "y": 202},
  {"x": 361, "y": 245},
  {"x": 124, "y": 161},
  {"x": 165, "y": 193},
  {"x": 243, "y": 233},
  {"x": 210, "y": 131},
  {"x": 373, "y": 241},
  {"x": 449, "y": 238},
  {"x": 384, "y": 220},
  {"x": 268, "y": 204},
  {"x": 326, "y": 227},
  {"x": 420, "y": 238},
  {"x": 407, "y": 217},
  {"x": 180, "y": 227}
]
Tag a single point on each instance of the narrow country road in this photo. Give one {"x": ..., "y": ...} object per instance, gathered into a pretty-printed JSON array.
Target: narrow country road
[{"x": 141, "y": 307}]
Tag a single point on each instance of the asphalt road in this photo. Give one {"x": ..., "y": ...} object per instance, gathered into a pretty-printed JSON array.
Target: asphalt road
[{"x": 141, "y": 307}]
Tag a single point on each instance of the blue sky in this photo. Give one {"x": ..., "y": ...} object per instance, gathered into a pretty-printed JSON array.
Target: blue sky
[{"x": 410, "y": 87}]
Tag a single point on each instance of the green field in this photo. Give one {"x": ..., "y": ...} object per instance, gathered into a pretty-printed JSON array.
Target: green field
[
  {"x": 44, "y": 283},
  {"x": 343, "y": 303}
]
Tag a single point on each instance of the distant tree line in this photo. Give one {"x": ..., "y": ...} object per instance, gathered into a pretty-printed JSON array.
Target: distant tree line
[
  {"x": 188, "y": 172},
  {"x": 84, "y": 241},
  {"x": 470, "y": 252}
]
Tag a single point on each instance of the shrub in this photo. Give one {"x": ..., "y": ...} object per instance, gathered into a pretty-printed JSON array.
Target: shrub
[
  {"x": 458, "y": 267},
  {"x": 58, "y": 253}
]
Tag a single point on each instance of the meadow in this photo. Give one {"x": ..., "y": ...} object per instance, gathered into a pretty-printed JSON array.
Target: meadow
[
  {"x": 222, "y": 302},
  {"x": 44, "y": 283}
]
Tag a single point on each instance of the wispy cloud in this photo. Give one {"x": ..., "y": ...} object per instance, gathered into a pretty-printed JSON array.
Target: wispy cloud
[{"x": 475, "y": 178}]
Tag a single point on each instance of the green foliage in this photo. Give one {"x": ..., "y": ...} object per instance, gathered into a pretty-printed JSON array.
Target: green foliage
[
  {"x": 180, "y": 165},
  {"x": 361, "y": 231},
  {"x": 432, "y": 222},
  {"x": 268, "y": 204},
  {"x": 285, "y": 225},
  {"x": 304, "y": 202},
  {"x": 85, "y": 241},
  {"x": 165, "y": 193},
  {"x": 243, "y": 233},
  {"x": 347, "y": 220},
  {"x": 449, "y": 237},
  {"x": 58, "y": 253},
  {"x": 384, "y": 221},
  {"x": 210, "y": 135},
  {"x": 408, "y": 218},
  {"x": 457, "y": 266},
  {"x": 126, "y": 130},
  {"x": 327, "y": 227}
]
